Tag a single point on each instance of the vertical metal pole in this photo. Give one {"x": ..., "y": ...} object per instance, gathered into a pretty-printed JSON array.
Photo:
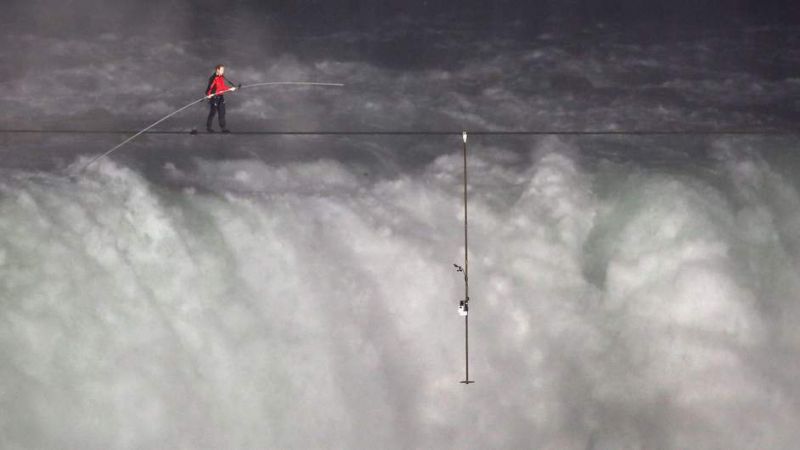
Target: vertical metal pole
[
  {"x": 466, "y": 268},
  {"x": 466, "y": 217},
  {"x": 466, "y": 348}
]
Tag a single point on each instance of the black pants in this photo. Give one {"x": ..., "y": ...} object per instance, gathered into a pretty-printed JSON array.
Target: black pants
[{"x": 217, "y": 106}]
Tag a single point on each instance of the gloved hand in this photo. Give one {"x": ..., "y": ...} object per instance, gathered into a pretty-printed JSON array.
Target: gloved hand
[{"x": 233, "y": 88}]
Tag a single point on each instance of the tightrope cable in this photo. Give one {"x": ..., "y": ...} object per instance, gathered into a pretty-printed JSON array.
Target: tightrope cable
[{"x": 145, "y": 129}]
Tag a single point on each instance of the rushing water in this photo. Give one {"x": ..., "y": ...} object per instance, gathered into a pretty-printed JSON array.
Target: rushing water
[{"x": 626, "y": 292}]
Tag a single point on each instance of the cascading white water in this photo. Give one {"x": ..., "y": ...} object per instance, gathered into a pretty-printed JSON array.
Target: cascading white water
[
  {"x": 303, "y": 305},
  {"x": 298, "y": 292}
]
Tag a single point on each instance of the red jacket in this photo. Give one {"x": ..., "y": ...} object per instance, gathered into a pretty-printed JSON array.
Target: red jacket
[{"x": 216, "y": 84}]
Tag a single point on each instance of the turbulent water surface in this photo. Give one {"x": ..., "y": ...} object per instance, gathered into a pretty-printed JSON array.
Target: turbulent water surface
[{"x": 299, "y": 292}]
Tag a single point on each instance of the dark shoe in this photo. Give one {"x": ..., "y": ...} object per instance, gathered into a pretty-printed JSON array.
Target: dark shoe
[{"x": 225, "y": 130}]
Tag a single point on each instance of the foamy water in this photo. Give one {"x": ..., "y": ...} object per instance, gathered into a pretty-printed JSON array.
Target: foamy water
[
  {"x": 299, "y": 292},
  {"x": 301, "y": 306}
]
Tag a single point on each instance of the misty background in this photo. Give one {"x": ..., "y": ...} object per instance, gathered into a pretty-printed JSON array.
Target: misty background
[{"x": 627, "y": 291}]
